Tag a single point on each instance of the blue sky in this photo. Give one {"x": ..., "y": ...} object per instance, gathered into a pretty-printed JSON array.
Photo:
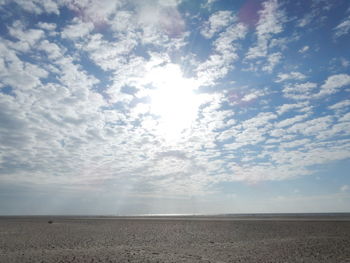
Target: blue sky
[{"x": 170, "y": 106}]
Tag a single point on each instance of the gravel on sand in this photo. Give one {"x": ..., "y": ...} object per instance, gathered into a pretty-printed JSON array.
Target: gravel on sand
[{"x": 186, "y": 239}]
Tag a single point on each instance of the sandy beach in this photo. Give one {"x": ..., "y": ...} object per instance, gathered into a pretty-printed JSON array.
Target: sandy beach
[{"x": 175, "y": 239}]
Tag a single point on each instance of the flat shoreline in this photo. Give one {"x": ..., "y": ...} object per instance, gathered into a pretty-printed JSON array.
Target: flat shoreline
[{"x": 219, "y": 217}]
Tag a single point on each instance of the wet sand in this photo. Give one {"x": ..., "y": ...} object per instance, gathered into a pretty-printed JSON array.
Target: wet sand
[{"x": 175, "y": 239}]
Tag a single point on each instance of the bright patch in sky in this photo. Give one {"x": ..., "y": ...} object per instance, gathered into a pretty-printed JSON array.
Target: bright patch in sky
[
  {"x": 174, "y": 106},
  {"x": 173, "y": 100}
]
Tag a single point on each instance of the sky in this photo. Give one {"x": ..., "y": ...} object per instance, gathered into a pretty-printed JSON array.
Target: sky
[{"x": 174, "y": 106}]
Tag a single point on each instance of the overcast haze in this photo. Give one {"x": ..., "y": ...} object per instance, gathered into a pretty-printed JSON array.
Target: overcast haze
[{"x": 136, "y": 107}]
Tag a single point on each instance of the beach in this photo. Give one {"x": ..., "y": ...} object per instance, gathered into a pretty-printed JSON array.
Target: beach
[{"x": 175, "y": 239}]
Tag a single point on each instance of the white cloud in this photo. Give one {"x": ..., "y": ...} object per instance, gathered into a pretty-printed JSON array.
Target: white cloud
[
  {"x": 344, "y": 188},
  {"x": 306, "y": 20},
  {"x": 52, "y": 50},
  {"x": 29, "y": 37},
  {"x": 290, "y": 121},
  {"x": 344, "y": 62},
  {"x": 171, "y": 3},
  {"x": 96, "y": 12},
  {"x": 219, "y": 63},
  {"x": 253, "y": 95},
  {"x": 111, "y": 55},
  {"x": 342, "y": 105},
  {"x": 301, "y": 91},
  {"x": 261, "y": 119},
  {"x": 124, "y": 21},
  {"x": 272, "y": 60},
  {"x": 217, "y": 22},
  {"x": 296, "y": 143},
  {"x": 287, "y": 107},
  {"x": 343, "y": 28},
  {"x": 333, "y": 84},
  {"x": 66, "y": 112},
  {"x": 78, "y": 29},
  {"x": 160, "y": 25},
  {"x": 346, "y": 117},
  {"x": 290, "y": 76},
  {"x": 304, "y": 49},
  {"x": 36, "y": 6},
  {"x": 19, "y": 74},
  {"x": 270, "y": 23},
  {"x": 47, "y": 26},
  {"x": 312, "y": 127},
  {"x": 271, "y": 18},
  {"x": 282, "y": 43},
  {"x": 309, "y": 154},
  {"x": 208, "y": 4},
  {"x": 223, "y": 44}
]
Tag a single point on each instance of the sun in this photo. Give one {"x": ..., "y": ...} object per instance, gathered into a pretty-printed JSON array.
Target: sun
[{"x": 173, "y": 101}]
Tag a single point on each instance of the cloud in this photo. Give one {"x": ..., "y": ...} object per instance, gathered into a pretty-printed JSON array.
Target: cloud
[
  {"x": 253, "y": 95},
  {"x": 312, "y": 127},
  {"x": 342, "y": 29},
  {"x": 19, "y": 74},
  {"x": 47, "y": 26},
  {"x": 304, "y": 49},
  {"x": 220, "y": 62},
  {"x": 301, "y": 91},
  {"x": 160, "y": 24},
  {"x": 78, "y": 29},
  {"x": 290, "y": 76},
  {"x": 272, "y": 60},
  {"x": 217, "y": 22},
  {"x": 306, "y": 20},
  {"x": 36, "y": 6},
  {"x": 270, "y": 23},
  {"x": 78, "y": 107},
  {"x": 96, "y": 12},
  {"x": 290, "y": 121},
  {"x": 296, "y": 143},
  {"x": 52, "y": 50},
  {"x": 287, "y": 107},
  {"x": 345, "y": 118},
  {"x": 26, "y": 37},
  {"x": 333, "y": 84},
  {"x": 340, "y": 105},
  {"x": 307, "y": 90},
  {"x": 261, "y": 119},
  {"x": 111, "y": 55},
  {"x": 344, "y": 188},
  {"x": 344, "y": 62},
  {"x": 209, "y": 3}
]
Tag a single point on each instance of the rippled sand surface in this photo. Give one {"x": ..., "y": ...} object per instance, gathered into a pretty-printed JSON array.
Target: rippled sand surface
[{"x": 174, "y": 239}]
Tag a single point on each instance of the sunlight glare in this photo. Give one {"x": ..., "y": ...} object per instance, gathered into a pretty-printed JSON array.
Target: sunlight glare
[{"x": 174, "y": 101}]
